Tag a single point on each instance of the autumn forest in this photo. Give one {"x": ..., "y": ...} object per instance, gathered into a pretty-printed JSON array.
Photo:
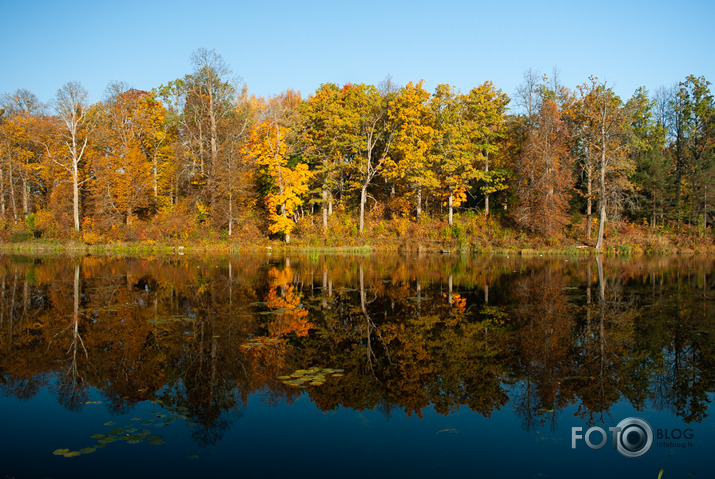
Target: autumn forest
[{"x": 199, "y": 159}]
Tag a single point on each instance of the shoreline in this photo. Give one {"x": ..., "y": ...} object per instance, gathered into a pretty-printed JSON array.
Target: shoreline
[{"x": 58, "y": 247}]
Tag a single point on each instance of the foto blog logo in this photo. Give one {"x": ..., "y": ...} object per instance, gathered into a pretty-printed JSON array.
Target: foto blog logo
[{"x": 633, "y": 437}]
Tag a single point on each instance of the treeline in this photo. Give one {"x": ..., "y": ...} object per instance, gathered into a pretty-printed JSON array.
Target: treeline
[{"x": 200, "y": 156}]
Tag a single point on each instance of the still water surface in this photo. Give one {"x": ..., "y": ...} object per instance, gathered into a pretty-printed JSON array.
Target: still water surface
[{"x": 353, "y": 366}]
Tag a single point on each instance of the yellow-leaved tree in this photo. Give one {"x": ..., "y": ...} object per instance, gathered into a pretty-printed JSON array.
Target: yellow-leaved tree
[
  {"x": 284, "y": 180},
  {"x": 414, "y": 140},
  {"x": 453, "y": 163}
]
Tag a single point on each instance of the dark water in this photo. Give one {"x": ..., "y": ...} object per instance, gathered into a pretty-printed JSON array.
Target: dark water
[{"x": 354, "y": 366}]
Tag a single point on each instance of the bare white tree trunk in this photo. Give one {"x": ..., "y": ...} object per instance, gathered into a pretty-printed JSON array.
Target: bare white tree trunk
[
  {"x": 325, "y": 210},
  {"x": 73, "y": 110},
  {"x": 486, "y": 196},
  {"x": 602, "y": 216},
  {"x": 419, "y": 202},
  {"x": 450, "y": 210},
  {"x": 363, "y": 199}
]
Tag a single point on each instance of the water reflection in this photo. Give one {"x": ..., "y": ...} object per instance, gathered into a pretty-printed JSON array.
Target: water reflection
[{"x": 535, "y": 335}]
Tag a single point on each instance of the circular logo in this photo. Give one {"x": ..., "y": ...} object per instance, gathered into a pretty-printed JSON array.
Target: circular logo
[{"x": 635, "y": 437}]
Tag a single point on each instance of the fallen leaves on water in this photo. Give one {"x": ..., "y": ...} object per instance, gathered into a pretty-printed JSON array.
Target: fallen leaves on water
[{"x": 313, "y": 376}]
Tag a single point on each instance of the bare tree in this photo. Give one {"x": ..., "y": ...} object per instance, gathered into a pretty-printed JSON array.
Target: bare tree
[
  {"x": 74, "y": 113},
  {"x": 209, "y": 101},
  {"x": 527, "y": 94},
  {"x": 603, "y": 123}
]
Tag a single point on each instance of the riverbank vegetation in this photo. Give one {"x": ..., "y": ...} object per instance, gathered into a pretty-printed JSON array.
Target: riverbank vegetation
[{"x": 199, "y": 162}]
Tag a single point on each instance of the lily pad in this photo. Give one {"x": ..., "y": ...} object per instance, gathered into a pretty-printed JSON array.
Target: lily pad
[
  {"x": 87, "y": 450},
  {"x": 194, "y": 456},
  {"x": 109, "y": 423},
  {"x": 72, "y": 454},
  {"x": 60, "y": 452},
  {"x": 98, "y": 436},
  {"x": 283, "y": 377}
]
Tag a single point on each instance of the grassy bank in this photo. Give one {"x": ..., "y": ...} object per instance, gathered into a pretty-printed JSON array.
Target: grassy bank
[{"x": 469, "y": 234}]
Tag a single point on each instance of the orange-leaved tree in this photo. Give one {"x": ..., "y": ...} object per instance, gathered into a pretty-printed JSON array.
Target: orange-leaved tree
[{"x": 544, "y": 172}]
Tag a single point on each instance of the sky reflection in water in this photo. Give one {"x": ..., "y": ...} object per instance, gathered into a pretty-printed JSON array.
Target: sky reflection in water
[{"x": 453, "y": 366}]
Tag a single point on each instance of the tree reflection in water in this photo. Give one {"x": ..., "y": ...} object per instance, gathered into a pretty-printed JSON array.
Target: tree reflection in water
[{"x": 409, "y": 333}]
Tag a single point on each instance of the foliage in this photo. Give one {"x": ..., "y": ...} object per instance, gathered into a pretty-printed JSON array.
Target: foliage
[{"x": 200, "y": 158}]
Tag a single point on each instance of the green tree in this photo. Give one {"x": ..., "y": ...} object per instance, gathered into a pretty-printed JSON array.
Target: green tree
[
  {"x": 485, "y": 109},
  {"x": 695, "y": 146},
  {"x": 652, "y": 166}
]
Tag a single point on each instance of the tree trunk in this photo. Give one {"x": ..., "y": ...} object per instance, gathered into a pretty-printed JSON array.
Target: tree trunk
[
  {"x": 325, "y": 210},
  {"x": 589, "y": 202},
  {"x": 486, "y": 195},
  {"x": 75, "y": 195},
  {"x": 25, "y": 197},
  {"x": 155, "y": 181},
  {"x": 214, "y": 147},
  {"x": 230, "y": 212},
  {"x": 419, "y": 202},
  {"x": 363, "y": 199},
  {"x": 11, "y": 181},
  {"x": 450, "y": 209},
  {"x": 679, "y": 164},
  {"x": 2, "y": 195},
  {"x": 602, "y": 215},
  {"x": 705, "y": 209}
]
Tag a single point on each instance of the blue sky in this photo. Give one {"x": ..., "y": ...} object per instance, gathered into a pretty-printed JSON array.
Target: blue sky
[{"x": 300, "y": 44}]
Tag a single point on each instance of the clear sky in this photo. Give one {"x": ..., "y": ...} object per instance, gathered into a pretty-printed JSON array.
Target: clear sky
[{"x": 300, "y": 44}]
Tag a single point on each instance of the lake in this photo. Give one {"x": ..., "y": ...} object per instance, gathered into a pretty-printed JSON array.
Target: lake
[{"x": 266, "y": 365}]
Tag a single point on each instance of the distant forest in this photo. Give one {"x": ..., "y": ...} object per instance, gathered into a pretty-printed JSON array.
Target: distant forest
[{"x": 199, "y": 157}]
